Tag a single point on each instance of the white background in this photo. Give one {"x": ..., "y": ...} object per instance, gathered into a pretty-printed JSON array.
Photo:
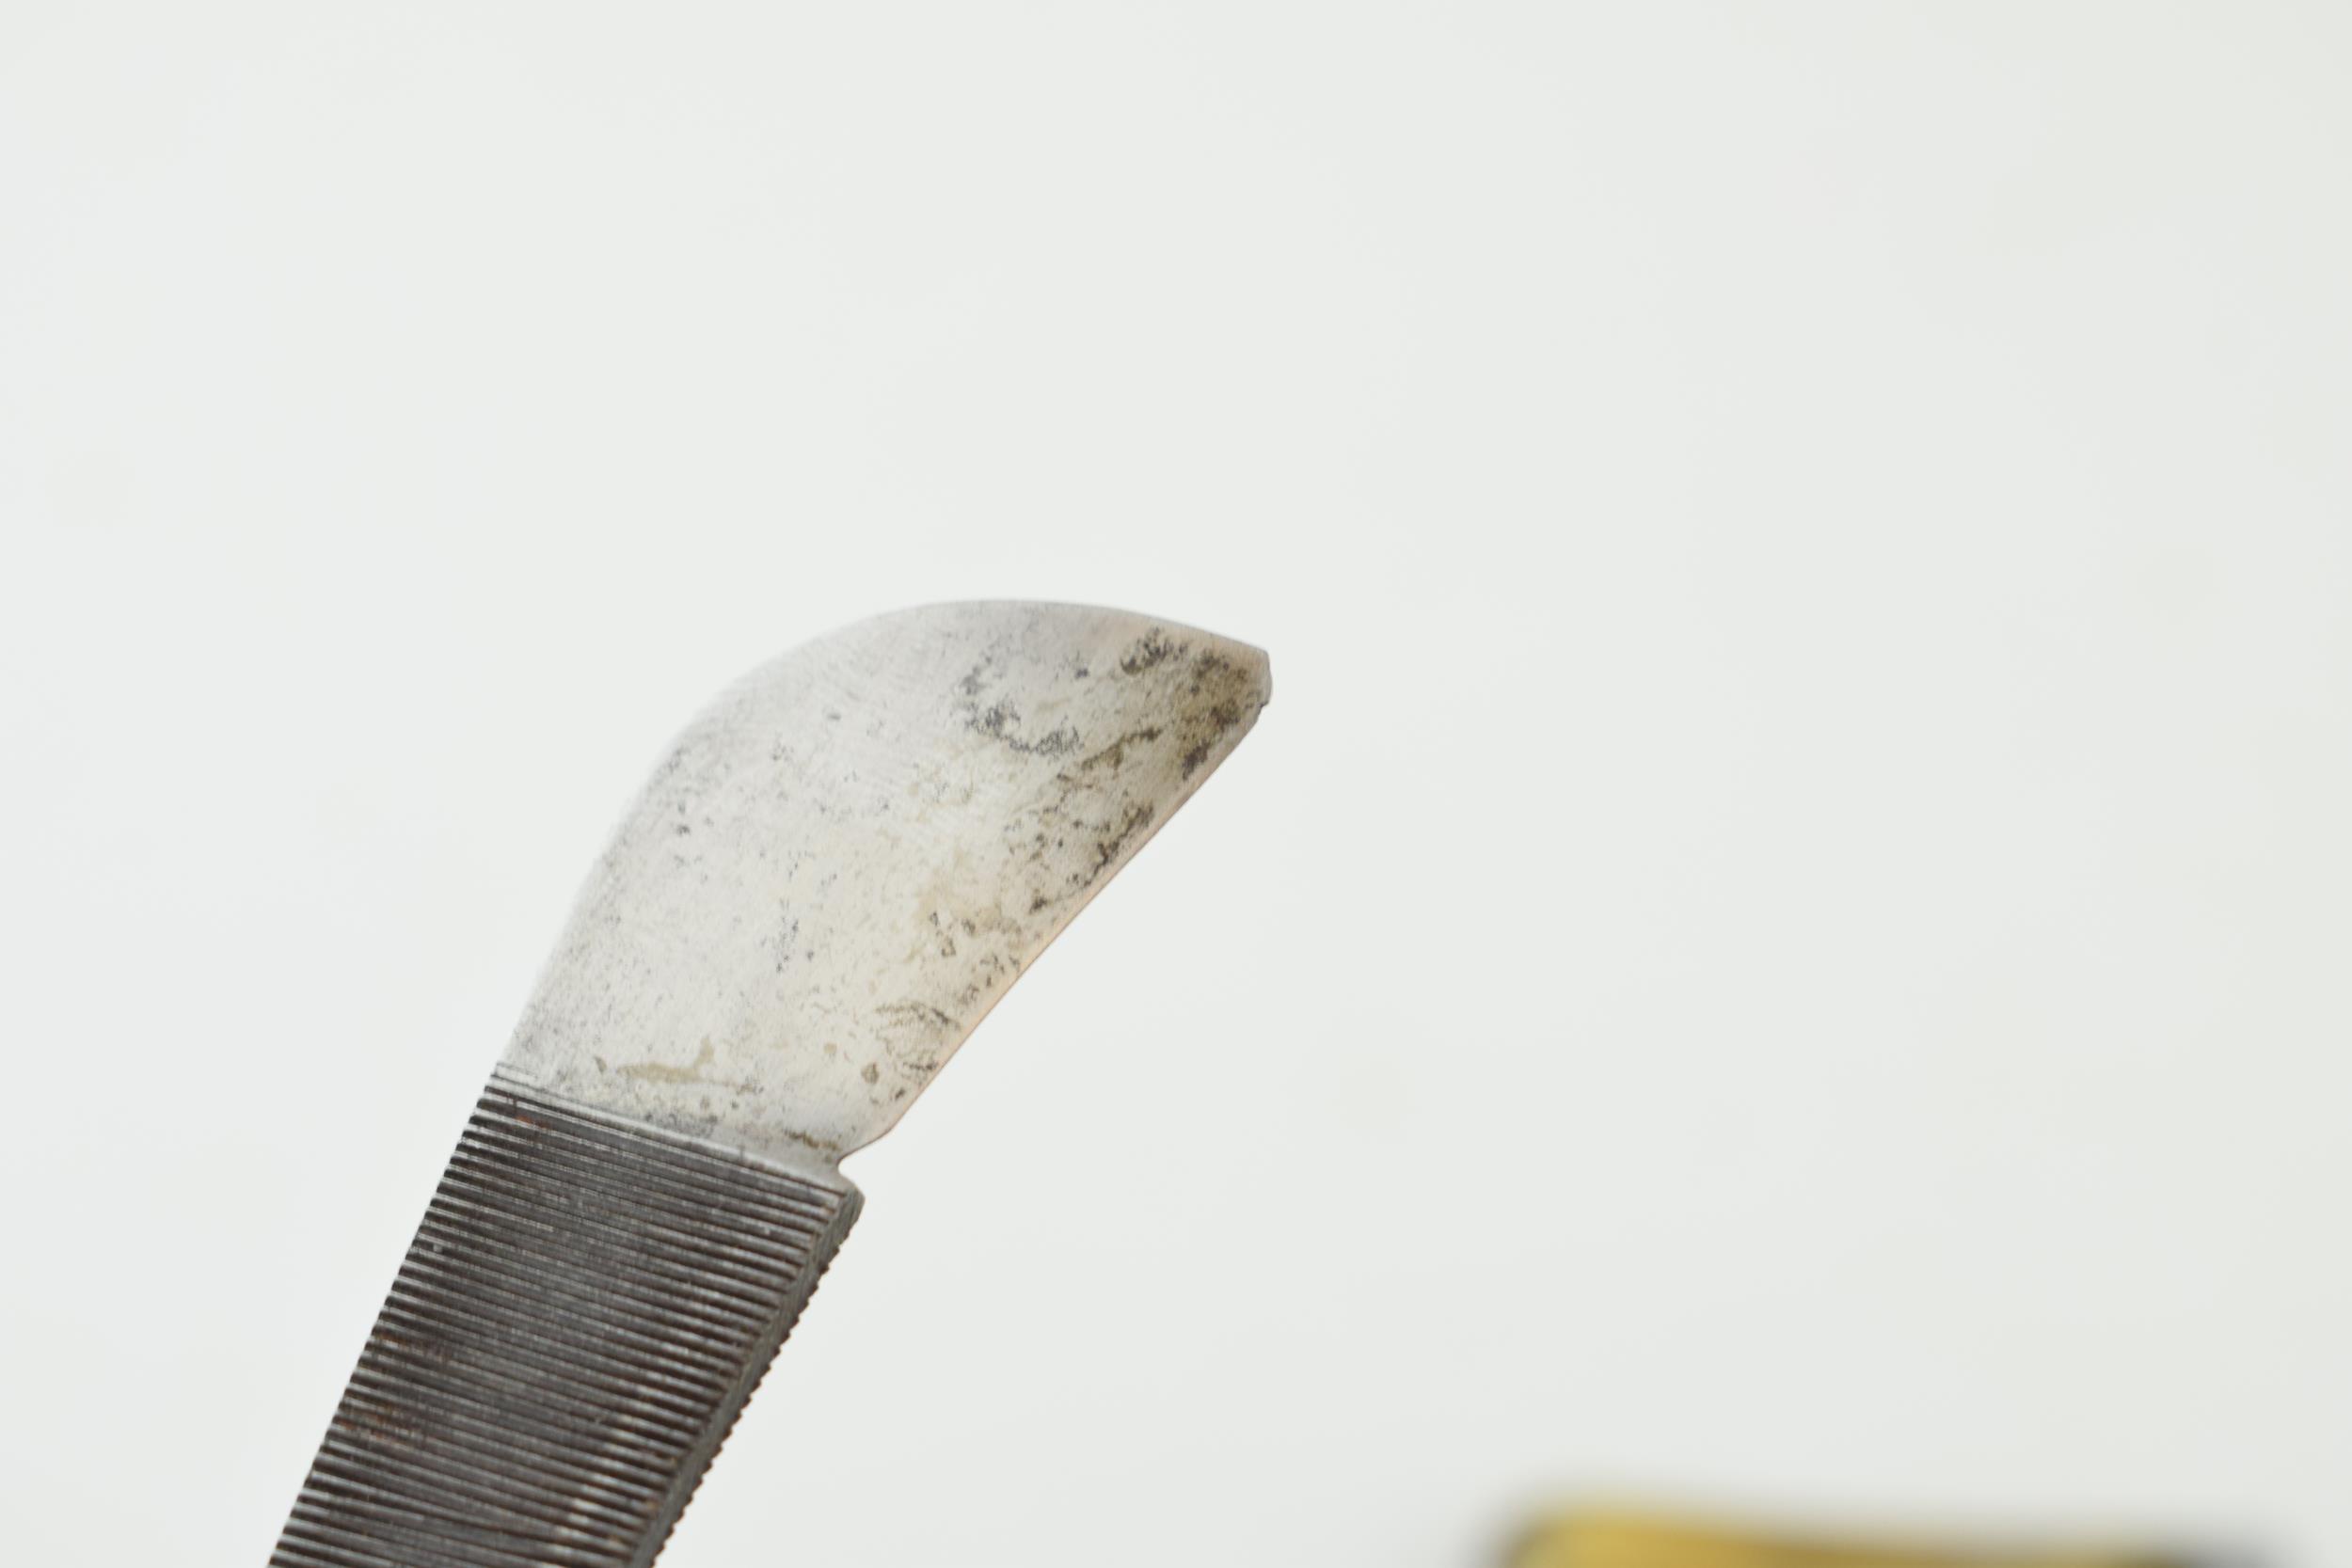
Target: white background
[{"x": 1783, "y": 942}]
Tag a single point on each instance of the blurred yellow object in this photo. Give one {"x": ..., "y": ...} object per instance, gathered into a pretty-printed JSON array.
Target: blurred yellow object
[{"x": 1612, "y": 1538}]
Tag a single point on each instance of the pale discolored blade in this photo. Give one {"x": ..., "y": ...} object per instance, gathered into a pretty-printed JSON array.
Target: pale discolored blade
[
  {"x": 851, "y": 855},
  {"x": 833, "y": 875}
]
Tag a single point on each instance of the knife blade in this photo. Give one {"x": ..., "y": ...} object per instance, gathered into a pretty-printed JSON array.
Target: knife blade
[{"x": 830, "y": 878}]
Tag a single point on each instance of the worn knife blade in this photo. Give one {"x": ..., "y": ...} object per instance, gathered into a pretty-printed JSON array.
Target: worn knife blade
[{"x": 834, "y": 873}]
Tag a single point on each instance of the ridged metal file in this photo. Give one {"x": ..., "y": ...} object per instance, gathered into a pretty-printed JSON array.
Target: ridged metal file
[{"x": 584, "y": 1312}]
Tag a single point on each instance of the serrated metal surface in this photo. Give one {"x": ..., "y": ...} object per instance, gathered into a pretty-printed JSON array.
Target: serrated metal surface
[{"x": 582, "y": 1316}]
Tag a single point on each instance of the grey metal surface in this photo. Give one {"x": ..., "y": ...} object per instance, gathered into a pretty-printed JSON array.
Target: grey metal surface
[
  {"x": 580, "y": 1318},
  {"x": 831, "y": 877}
]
